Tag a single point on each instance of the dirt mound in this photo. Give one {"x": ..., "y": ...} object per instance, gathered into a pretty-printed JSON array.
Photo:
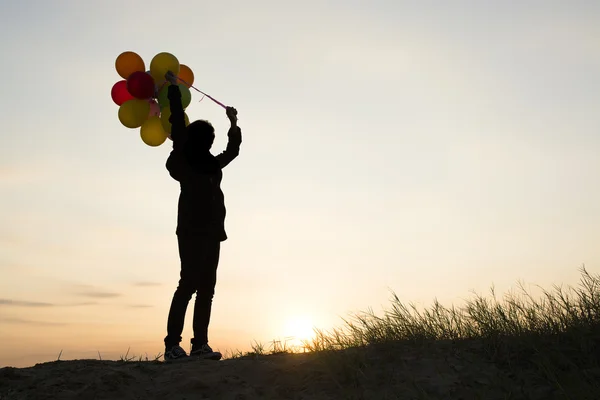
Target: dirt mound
[
  {"x": 434, "y": 371},
  {"x": 273, "y": 377}
]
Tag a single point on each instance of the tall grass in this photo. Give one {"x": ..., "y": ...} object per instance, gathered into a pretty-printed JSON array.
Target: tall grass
[
  {"x": 554, "y": 336},
  {"x": 574, "y": 312}
]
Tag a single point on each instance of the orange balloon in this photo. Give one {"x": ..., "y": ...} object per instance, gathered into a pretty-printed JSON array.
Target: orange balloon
[
  {"x": 129, "y": 62},
  {"x": 186, "y": 75}
]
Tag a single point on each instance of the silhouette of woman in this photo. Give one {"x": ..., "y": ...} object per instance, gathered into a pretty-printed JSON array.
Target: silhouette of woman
[{"x": 200, "y": 221}]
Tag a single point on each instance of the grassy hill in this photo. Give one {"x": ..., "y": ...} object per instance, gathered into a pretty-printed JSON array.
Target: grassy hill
[{"x": 515, "y": 347}]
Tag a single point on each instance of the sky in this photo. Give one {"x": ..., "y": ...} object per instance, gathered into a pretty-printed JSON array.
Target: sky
[{"x": 429, "y": 149}]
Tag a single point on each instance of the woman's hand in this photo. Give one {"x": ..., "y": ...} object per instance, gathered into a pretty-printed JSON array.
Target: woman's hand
[
  {"x": 171, "y": 78},
  {"x": 232, "y": 115}
]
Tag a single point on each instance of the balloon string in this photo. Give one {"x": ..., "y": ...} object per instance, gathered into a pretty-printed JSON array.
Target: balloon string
[
  {"x": 160, "y": 88},
  {"x": 207, "y": 95}
]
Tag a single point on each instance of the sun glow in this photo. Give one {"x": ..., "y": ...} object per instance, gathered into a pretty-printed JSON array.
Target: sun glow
[{"x": 298, "y": 329}]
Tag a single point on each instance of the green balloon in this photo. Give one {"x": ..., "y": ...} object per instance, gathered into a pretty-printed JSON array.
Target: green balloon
[
  {"x": 186, "y": 95},
  {"x": 164, "y": 119},
  {"x": 163, "y": 96}
]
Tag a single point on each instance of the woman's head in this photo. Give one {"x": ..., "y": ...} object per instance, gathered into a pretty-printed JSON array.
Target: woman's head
[{"x": 201, "y": 135}]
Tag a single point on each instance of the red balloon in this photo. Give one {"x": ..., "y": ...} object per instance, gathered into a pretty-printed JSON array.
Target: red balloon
[
  {"x": 120, "y": 94},
  {"x": 140, "y": 85}
]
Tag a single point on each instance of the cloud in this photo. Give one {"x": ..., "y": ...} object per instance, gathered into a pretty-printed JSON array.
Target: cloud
[
  {"x": 97, "y": 294},
  {"x": 21, "y": 321},
  {"x": 141, "y": 306},
  {"x": 93, "y": 292},
  {"x": 146, "y": 284},
  {"x": 37, "y": 304},
  {"x": 81, "y": 304},
  {"x": 23, "y": 303}
]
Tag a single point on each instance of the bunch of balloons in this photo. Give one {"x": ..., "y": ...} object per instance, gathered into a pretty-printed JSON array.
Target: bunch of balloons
[{"x": 142, "y": 95}]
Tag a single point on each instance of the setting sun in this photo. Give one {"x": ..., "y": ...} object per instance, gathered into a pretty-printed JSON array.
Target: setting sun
[{"x": 298, "y": 329}]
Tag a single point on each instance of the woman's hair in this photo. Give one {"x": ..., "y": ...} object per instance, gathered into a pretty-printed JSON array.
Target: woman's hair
[{"x": 201, "y": 134}]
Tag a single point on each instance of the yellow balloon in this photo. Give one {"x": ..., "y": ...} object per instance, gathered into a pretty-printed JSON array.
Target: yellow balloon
[
  {"x": 165, "y": 114},
  {"x": 163, "y": 63},
  {"x": 152, "y": 132},
  {"x": 134, "y": 112}
]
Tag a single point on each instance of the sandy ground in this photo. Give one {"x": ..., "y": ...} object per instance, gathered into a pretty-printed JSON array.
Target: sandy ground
[
  {"x": 274, "y": 377},
  {"x": 397, "y": 372}
]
